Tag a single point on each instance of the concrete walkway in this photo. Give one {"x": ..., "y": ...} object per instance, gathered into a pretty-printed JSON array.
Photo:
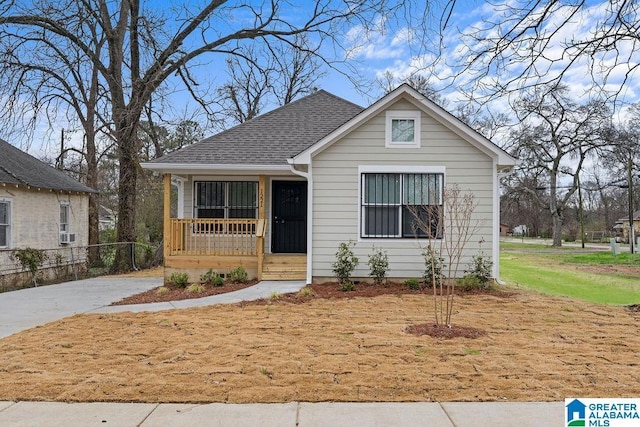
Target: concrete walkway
[
  {"x": 28, "y": 308},
  {"x": 449, "y": 414}
]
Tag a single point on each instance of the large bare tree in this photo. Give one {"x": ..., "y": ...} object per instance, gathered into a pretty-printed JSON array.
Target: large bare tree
[
  {"x": 144, "y": 44},
  {"x": 273, "y": 75},
  {"x": 46, "y": 75},
  {"x": 523, "y": 43},
  {"x": 554, "y": 139}
]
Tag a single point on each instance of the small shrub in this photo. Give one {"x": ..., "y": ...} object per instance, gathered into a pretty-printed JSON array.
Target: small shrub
[
  {"x": 238, "y": 275},
  {"x": 275, "y": 296},
  {"x": 196, "y": 288},
  {"x": 211, "y": 278},
  {"x": 433, "y": 267},
  {"x": 179, "y": 279},
  {"x": 346, "y": 262},
  {"x": 348, "y": 286},
  {"x": 162, "y": 290},
  {"x": 60, "y": 262},
  {"x": 413, "y": 284},
  {"x": 378, "y": 265},
  {"x": 480, "y": 268},
  {"x": 469, "y": 282},
  {"x": 306, "y": 292},
  {"x": 30, "y": 259}
]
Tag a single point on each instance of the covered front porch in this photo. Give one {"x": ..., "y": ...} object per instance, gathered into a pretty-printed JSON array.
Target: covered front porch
[{"x": 195, "y": 245}]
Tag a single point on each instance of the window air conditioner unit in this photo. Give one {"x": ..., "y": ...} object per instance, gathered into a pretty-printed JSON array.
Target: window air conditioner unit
[{"x": 66, "y": 238}]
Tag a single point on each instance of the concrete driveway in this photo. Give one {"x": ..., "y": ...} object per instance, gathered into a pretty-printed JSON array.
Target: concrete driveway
[{"x": 27, "y": 308}]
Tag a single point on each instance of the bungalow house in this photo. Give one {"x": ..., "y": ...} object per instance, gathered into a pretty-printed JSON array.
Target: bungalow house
[
  {"x": 621, "y": 227},
  {"x": 279, "y": 193},
  {"x": 40, "y": 207}
]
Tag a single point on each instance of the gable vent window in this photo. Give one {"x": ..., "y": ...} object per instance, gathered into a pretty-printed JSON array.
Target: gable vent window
[
  {"x": 402, "y": 129},
  {"x": 392, "y": 203}
]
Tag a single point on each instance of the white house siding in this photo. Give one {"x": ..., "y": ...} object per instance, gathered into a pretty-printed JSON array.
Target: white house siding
[
  {"x": 35, "y": 221},
  {"x": 336, "y": 183}
]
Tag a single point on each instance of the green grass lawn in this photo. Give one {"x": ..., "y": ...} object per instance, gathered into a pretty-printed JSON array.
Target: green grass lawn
[{"x": 553, "y": 271}]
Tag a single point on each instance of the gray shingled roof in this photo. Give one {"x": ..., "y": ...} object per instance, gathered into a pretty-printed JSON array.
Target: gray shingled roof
[
  {"x": 20, "y": 168},
  {"x": 272, "y": 138}
]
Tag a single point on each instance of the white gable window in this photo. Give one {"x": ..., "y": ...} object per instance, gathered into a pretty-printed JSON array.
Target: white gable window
[
  {"x": 5, "y": 223},
  {"x": 401, "y": 205},
  {"x": 402, "y": 129}
]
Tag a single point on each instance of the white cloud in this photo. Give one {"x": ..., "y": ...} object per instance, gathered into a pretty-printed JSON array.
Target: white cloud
[{"x": 375, "y": 42}]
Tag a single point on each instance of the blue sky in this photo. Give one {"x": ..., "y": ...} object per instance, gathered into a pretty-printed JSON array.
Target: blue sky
[{"x": 375, "y": 52}]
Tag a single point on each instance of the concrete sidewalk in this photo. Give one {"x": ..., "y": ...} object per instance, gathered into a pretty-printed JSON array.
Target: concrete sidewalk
[{"x": 449, "y": 414}]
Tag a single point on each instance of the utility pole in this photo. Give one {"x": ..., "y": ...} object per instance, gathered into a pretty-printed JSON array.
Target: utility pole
[
  {"x": 630, "y": 179},
  {"x": 581, "y": 210}
]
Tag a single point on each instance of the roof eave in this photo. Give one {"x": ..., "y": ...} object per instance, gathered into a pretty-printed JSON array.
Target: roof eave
[
  {"x": 88, "y": 190},
  {"x": 208, "y": 167}
]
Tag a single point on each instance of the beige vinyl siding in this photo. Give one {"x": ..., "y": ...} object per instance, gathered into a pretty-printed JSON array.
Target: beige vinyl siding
[
  {"x": 188, "y": 197},
  {"x": 336, "y": 184}
]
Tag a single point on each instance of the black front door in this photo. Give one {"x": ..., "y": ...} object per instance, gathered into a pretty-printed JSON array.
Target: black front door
[{"x": 289, "y": 217}]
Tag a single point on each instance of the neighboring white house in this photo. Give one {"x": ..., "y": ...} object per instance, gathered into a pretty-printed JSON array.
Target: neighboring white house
[
  {"x": 40, "y": 207},
  {"x": 520, "y": 230},
  {"x": 279, "y": 193}
]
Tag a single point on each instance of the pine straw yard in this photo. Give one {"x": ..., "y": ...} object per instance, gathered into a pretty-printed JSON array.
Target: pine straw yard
[{"x": 535, "y": 348}]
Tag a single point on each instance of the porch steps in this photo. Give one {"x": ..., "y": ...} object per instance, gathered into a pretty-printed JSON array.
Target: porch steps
[{"x": 284, "y": 267}]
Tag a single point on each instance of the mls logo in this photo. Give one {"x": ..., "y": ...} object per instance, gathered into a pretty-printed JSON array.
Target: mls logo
[
  {"x": 602, "y": 412},
  {"x": 576, "y": 413}
]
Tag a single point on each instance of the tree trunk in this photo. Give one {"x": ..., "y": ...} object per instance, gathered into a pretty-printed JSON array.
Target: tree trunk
[
  {"x": 557, "y": 229},
  {"x": 126, "y": 227},
  {"x": 94, "y": 206}
]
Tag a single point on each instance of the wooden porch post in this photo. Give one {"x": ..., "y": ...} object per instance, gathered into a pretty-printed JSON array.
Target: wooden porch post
[
  {"x": 167, "y": 216},
  {"x": 261, "y": 215}
]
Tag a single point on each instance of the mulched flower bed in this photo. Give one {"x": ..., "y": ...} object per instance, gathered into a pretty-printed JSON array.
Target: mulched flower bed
[
  {"x": 330, "y": 290},
  {"x": 443, "y": 331},
  {"x": 175, "y": 293}
]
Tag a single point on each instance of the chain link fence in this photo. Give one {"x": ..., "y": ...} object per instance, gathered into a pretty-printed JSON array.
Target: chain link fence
[{"x": 28, "y": 267}]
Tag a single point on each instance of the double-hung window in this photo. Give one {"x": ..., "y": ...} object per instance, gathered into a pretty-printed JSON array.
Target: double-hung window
[
  {"x": 64, "y": 217},
  {"x": 226, "y": 199},
  {"x": 401, "y": 205},
  {"x": 5, "y": 223}
]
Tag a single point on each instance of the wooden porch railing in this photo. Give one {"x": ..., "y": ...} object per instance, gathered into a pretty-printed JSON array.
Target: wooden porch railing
[{"x": 192, "y": 236}]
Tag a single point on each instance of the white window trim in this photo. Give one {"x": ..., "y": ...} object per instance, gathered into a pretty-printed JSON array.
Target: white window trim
[
  {"x": 68, "y": 230},
  {"x": 362, "y": 169},
  {"x": 391, "y": 115},
  {"x": 9, "y": 233}
]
